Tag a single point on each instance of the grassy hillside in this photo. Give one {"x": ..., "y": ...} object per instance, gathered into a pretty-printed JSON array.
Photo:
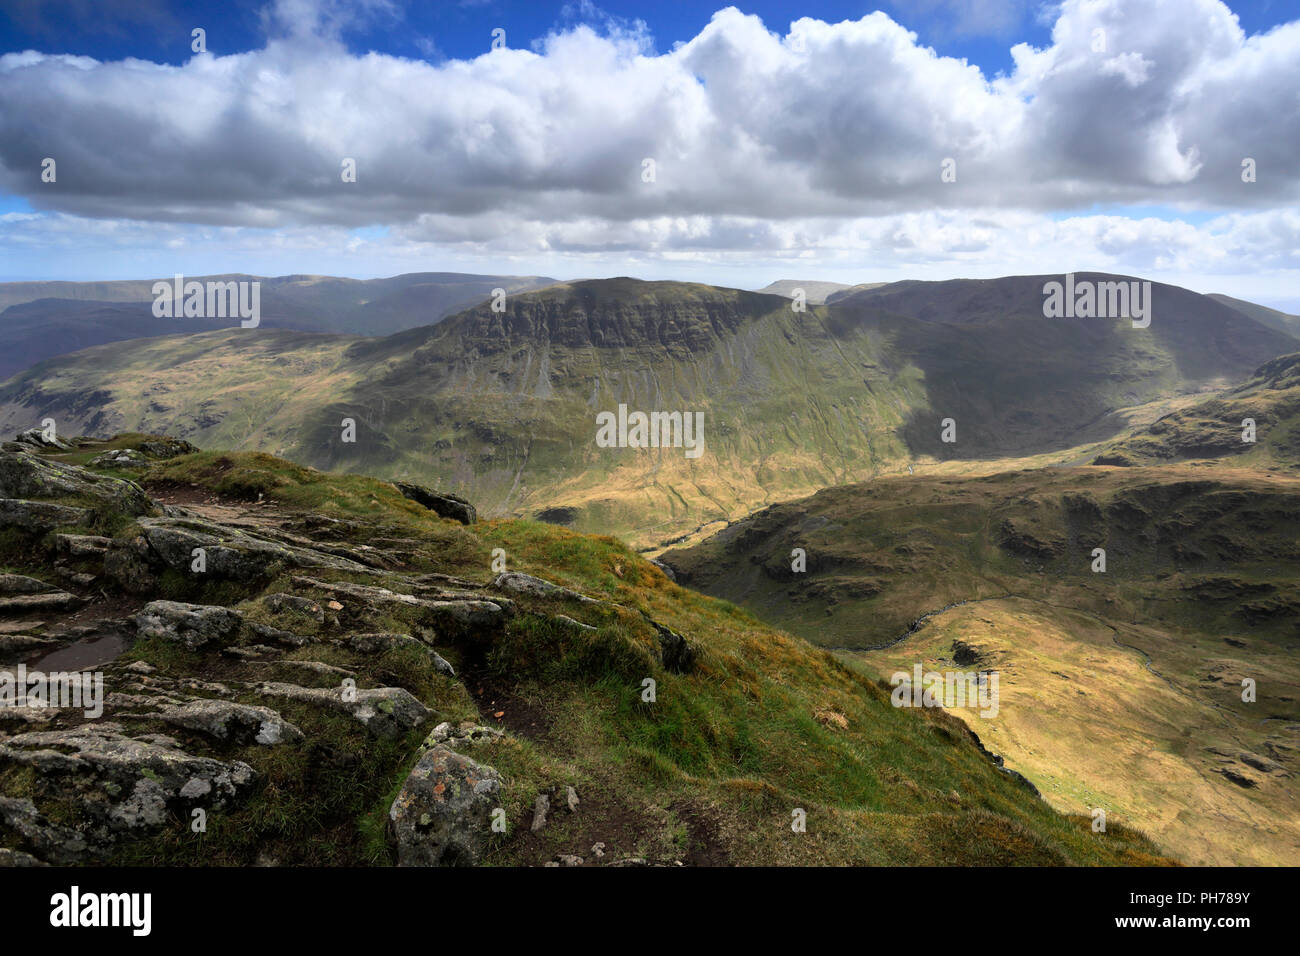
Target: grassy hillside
[
  {"x": 501, "y": 407},
  {"x": 1120, "y": 687},
  {"x": 759, "y": 725},
  {"x": 1213, "y": 429},
  {"x": 1273, "y": 318}
]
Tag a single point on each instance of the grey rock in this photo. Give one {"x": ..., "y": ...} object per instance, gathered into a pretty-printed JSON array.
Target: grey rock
[
  {"x": 29, "y": 476},
  {"x": 674, "y": 650},
  {"x": 121, "y": 786},
  {"x": 527, "y": 584},
  {"x": 35, "y": 438},
  {"x": 193, "y": 625},
  {"x": 541, "y": 807},
  {"x": 283, "y": 603},
  {"x": 231, "y": 552},
  {"x": 231, "y": 722},
  {"x": 444, "y": 504},
  {"x": 28, "y": 603},
  {"x": 119, "y": 458},
  {"x": 41, "y": 515},
  {"x": 466, "y": 617},
  {"x": 21, "y": 584},
  {"x": 467, "y": 734},
  {"x": 18, "y": 858},
  {"x": 380, "y": 642},
  {"x": 442, "y": 816},
  {"x": 384, "y": 711}
]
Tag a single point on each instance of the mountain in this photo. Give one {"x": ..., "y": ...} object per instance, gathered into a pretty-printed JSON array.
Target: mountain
[
  {"x": 1121, "y": 685},
  {"x": 44, "y": 319},
  {"x": 596, "y": 711},
  {"x": 815, "y": 292},
  {"x": 853, "y": 290},
  {"x": 31, "y": 332},
  {"x": 1282, "y": 321},
  {"x": 502, "y": 407}
]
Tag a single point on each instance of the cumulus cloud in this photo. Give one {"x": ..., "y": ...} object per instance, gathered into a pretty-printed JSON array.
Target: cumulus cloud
[{"x": 840, "y": 120}]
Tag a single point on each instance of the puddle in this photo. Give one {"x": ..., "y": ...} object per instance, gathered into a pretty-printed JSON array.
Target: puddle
[{"x": 88, "y": 652}]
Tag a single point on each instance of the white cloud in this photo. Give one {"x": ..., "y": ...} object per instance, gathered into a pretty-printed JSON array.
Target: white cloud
[{"x": 823, "y": 144}]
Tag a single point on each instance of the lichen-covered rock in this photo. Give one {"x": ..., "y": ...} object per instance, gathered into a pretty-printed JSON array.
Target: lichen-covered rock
[
  {"x": 129, "y": 562},
  {"x": 527, "y": 584},
  {"x": 41, "y": 516},
  {"x": 281, "y": 603},
  {"x": 384, "y": 711},
  {"x": 230, "y": 552},
  {"x": 162, "y": 447},
  {"x": 467, "y": 616},
  {"x": 231, "y": 722},
  {"x": 35, "y": 438},
  {"x": 440, "y": 502},
  {"x": 22, "y": 584},
  {"x": 378, "y": 643},
  {"x": 466, "y": 733},
  {"x": 443, "y": 814},
  {"x": 31, "y": 476},
  {"x": 81, "y": 545},
  {"x": 124, "y": 787},
  {"x": 120, "y": 458},
  {"x": 193, "y": 625}
]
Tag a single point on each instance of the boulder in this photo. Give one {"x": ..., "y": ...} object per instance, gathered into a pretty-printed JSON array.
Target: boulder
[
  {"x": 442, "y": 816},
  {"x": 30, "y": 476},
  {"x": 35, "y": 438},
  {"x": 120, "y": 458},
  {"x": 444, "y": 504},
  {"x": 521, "y": 583},
  {"x": 384, "y": 711},
  {"x": 231, "y": 722},
  {"x": 194, "y": 626},
  {"x": 675, "y": 651}
]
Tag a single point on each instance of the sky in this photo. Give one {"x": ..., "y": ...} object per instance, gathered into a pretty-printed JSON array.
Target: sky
[{"x": 840, "y": 141}]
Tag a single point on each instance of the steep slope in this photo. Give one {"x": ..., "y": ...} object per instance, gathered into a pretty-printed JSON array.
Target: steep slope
[
  {"x": 1015, "y": 381},
  {"x": 348, "y": 681},
  {"x": 502, "y": 407},
  {"x": 1273, "y": 318},
  {"x": 1120, "y": 688}
]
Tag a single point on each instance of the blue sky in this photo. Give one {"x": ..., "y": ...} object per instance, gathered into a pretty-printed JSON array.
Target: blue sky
[{"x": 808, "y": 153}]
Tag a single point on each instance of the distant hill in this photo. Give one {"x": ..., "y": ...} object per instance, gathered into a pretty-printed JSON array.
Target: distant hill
[
  {"x": 1282, "y": 321},
  {"x": 43, "y": 319},
  {"x": 1213, "y": 428},
  {"x": 501, "y": 407},
  {"x": 816, "y": 292},
  {"x": 851, "y": 290}
]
